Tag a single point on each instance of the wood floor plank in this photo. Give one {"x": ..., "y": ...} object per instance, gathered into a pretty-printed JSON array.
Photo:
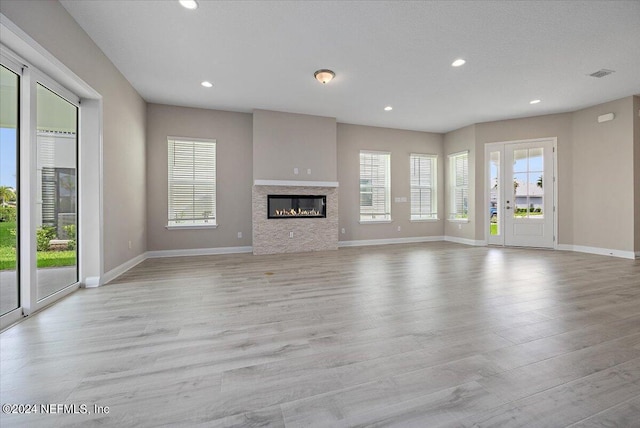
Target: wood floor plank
[
  {"x": 543, "y": 375},
  {"x": 623, "y": 415}
]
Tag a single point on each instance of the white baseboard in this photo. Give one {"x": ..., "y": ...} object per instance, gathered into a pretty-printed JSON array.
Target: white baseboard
[
  {"x": 465, "y": 241},
  {"x": 598, "y": 251},
  {"x": 198, "y": 252},
  {"x": 366, "y": 242},
  {"x": 117, "y": 271},
  {"x": 92, "y": 282}
]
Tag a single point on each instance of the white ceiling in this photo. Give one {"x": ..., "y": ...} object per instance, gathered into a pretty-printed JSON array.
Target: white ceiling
[{"x": 262, "y": 55}]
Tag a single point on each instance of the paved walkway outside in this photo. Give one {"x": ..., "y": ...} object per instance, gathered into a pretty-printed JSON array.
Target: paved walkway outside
[{"x": 50, "y": 280}]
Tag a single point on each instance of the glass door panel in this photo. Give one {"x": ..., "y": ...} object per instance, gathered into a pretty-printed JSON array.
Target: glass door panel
[
  {"x": 56, "y": 206},
  {"x": 495, "y": 202},
  {"x": 527, "y": 197},
  {"x": 9, "y": 107},
  {"x": 528, "y": 180}
]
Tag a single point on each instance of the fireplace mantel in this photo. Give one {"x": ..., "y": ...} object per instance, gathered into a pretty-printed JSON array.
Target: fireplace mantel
[{"x": 294, "y": 183}]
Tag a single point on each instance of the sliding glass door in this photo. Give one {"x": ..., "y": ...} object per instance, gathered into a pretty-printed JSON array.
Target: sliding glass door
[{"x": 38, "y": 190}]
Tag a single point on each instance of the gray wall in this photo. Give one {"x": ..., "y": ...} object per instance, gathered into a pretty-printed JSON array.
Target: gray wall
[
  {"x": 352, "y": 139},
  {"x": 596, "y": 172},
  {"x": 284, "y": 141},
  {"x": 580, "y": 142},
  {"x": 603, "y": 203},
  {"x": 636, "y": 170},
  {"x": 124, "y": 161},
  {"x": 233, "y": 135}
]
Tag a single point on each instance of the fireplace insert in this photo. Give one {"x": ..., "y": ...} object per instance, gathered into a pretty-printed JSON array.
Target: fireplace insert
[{"x": 296, "y": 206}]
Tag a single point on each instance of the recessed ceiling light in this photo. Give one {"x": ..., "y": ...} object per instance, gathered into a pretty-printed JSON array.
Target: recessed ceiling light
[
  {"x": 189, "y": 4},
  {"x": 207, "y": 84},
  {"x": 534, "y": 101},
  {"x": 458, "y": 63},
  {"x": 388, "y": 108}
]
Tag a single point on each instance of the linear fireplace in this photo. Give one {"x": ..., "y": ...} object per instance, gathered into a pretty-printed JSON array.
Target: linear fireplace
[{"x": 296, "y": 206}]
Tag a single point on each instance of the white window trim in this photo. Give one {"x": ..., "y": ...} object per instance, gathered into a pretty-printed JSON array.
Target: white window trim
[
  {"x": 451, "y": 190},
  {"x": 433, "y": 187},
  {"x": 194, "y": 226},
  {"x": 387, "y": 217}
]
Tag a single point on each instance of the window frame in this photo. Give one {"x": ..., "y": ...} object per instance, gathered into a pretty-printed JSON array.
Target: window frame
[
  {"x": 375, "y": 217},
  {"x": 455, "y": 187},
  {"x": 432, "y": 186},
  {"x": 203, "y": 222}
]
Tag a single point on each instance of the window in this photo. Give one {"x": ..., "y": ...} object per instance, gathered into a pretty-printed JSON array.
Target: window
[
  {"x": 58, "y": 197},
  {"x": 459, "y": 191},
  {"x": 192, "y": 182},
  {"x": 423, "y": 187},
  {"x": 375, "y": 186}
]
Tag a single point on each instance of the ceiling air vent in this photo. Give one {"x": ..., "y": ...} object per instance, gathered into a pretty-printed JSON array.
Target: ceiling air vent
[{"x": 602, "y": 73}]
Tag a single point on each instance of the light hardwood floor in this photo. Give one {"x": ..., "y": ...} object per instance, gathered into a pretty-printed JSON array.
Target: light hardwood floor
[{"x": 424, "y": 335}]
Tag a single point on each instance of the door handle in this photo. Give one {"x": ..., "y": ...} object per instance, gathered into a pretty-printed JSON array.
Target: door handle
[{"x": 508, "y": 207}]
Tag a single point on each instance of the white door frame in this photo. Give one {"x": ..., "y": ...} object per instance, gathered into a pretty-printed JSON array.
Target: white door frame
[{"x": 499, "y": 146}]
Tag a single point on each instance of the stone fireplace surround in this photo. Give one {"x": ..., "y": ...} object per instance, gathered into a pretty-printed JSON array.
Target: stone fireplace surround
[{"x": 272, "y": 236}]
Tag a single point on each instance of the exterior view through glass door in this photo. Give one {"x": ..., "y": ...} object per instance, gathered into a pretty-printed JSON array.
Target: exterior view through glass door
[
  {"x": 9, "y": 107},
  {"x": 56, "y": 210},
  {"x": 521, "y": 193}
]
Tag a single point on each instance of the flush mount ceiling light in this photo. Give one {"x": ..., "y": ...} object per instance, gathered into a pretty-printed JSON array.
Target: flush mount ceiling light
[
  {"x": 324, "y": 76},
  {"x": 458, "y": 63},
  {"x": 534, "y": 101},
  {"x": 189, "y": 4},
  {"x": 207, "y": 84},
  {"x": 388, "y": 108}
]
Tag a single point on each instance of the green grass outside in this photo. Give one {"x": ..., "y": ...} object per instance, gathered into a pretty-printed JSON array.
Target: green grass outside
[
  {"x": 6, "y": 239},
  {"x": 45, "y": 258}
]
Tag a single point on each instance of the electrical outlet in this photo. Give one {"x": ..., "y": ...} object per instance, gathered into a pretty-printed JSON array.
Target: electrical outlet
[
  {"x": 295, "y": 171},
  {"x": 343, "y": 231},
  {"x": 130, "y": 245},
  {"x": 459, "y": 226},
  {"x": 399, "y": 228},
  {"x": 309, "y": 171},
  {"x": 290, "y": 234},
  {"x": 239, "y": 235}
]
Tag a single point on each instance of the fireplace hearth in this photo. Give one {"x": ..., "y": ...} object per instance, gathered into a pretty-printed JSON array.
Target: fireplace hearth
[{"x": 296, "y": 206}]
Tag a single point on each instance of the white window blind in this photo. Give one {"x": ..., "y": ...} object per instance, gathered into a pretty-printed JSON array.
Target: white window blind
[
  {"x": 192, "y": 182},
  {"x": 423, "y": 187},
  {"x": 375, "y": 186},
  {"x": 459, "y": 169}
]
